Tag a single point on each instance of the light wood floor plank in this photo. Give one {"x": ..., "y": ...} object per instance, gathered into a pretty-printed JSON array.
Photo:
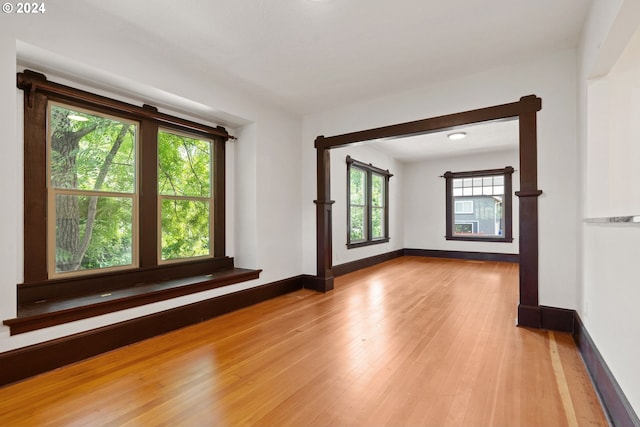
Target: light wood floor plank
[{"x": 411, "y": 342}]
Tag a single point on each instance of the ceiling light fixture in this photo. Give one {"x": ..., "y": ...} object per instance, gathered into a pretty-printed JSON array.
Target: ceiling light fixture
[{"x": 456, "y": 135}]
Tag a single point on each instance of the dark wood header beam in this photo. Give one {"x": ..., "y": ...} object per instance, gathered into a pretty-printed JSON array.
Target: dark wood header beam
[{"x": 527, "y": 104}]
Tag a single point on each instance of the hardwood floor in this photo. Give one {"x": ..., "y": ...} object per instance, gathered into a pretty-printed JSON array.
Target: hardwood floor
[{"x": 411, "y": 342}]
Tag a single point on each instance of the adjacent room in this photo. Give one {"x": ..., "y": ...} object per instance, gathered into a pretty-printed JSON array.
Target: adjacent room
[{"x": 319, "y": 212}]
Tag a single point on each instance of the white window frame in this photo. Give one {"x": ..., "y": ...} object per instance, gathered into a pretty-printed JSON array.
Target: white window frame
[{"x": 460, "y": 204}]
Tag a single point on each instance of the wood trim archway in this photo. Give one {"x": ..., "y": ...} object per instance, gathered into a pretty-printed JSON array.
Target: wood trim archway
[{"x": 525, "y": 110}]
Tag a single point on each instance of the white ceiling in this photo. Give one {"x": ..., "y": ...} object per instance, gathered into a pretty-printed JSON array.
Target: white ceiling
[
  {"x": 481, "y": 138},
  {"x": 308, "y": 56}
]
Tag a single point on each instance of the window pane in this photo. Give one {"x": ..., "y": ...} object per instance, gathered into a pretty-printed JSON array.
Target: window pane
[
  {"x": 357, "y": 230},
  {"x": 463, "y": 206},
  {"x": 184, "y": 165},
  {"x": 487, "y": 181},
  {"x": 93, "y": 232},
  {"x": 358, "y": 185},
  {"x": 463, "y": 228},
  {"x": 467, "y": 191},
  {"x": 498, "y": 190},
  {"x": 457, "y": 183},
  {"x": 498, "y": 180},
  {"x": 477, "y": 182},
  {"x": 377, "y": 223},
  {"x": 185, "y": 228},
  {"x": 457, "y": 191},
  {"x": 377, "y": 190},
  {"x": 467, "y": 182},
  {"x": 477, "y": 191},
  {"x": 91, "y": 152}
]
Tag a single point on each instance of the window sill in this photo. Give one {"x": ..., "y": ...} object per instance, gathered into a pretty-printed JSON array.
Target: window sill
[
  {"x": 367, "y": 243},
  {"x": 44, "y": 314},
  {"x": 480, "y": 239}
]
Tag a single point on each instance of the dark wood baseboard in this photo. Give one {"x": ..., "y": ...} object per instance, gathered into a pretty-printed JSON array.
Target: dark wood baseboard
[
  {"x": 615, "y": 403},
  {"x": 544, "y": 317},
  {"x": 472, "y": 256},
  {"x": 349, "y": 267},
  {"x": 557, "y": 319},
  {"x": 339, "y": 270},
  {"x": 16, "y": 365}
]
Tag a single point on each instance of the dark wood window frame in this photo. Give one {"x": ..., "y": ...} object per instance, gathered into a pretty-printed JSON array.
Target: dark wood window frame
[
  {"x": 369, "y": 170},
  {"x": 525, "y": 111},
  {"x": 76, "y": 297},
  {"x": 449, "y": 176}
]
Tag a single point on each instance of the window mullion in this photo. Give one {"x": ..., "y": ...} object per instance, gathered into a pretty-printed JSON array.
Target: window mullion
[
  {"x": 148, "y": 194},
  {"x": 219, "y": 195}
]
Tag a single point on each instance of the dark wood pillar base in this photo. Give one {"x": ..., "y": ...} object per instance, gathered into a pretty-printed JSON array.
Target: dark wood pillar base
[
  {"x": 529, "y": 316},
  {"x": 316, "y": 283}
]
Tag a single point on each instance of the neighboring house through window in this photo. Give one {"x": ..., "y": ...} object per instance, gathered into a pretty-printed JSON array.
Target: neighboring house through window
[
  {"x": 367, "y": 204},
  {"x": 478, "y": 205}
]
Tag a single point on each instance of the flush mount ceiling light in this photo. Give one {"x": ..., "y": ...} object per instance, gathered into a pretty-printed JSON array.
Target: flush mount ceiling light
[{"x": 456, "y": 135}]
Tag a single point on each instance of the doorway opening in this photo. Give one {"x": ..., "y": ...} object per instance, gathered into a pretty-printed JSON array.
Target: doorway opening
[{"x": 525, "y": 110}]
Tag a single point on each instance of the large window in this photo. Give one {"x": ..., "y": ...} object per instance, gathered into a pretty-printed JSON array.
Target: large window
[
  {"x": 478, "y": 205},
  {"x": 368, "y": 204},
  {"x": 116, "y": 194}
]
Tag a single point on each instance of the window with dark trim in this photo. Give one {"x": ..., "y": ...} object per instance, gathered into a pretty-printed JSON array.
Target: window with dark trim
[
  {"x": 478, "y": 205},
  {"x": 152, "y": 182},
  {"x": 367, "y": 204}
]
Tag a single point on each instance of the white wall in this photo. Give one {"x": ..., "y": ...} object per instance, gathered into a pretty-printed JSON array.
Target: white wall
[
  {"x": 264, "y": 228},
  {"x": 10, "y": 182},
  {"x": 609, "y": 150},
  {"x": 364, "y": 154},
  {"x": 553, "y": 78},
  {"x": 424, "y": 206},
  {"x": 613, "y": 151},
  {"x": 417, "y": 201}
]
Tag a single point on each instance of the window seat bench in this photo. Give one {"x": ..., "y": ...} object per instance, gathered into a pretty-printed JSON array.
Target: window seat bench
[{"x": 46, "y": 313}]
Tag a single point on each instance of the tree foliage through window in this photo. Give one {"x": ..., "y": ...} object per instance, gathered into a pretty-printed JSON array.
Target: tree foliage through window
[
  {"x": 92, "y": 172},
  {"x": 94, "y": 191},
  {"x": 368, "y": 210},
  {"x": 184, "y": 183}
]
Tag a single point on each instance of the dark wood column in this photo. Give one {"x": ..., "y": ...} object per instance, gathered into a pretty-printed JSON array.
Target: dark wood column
[
  {"x": 324, "y": 242},
  {"x": 528, "y": 308}
]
